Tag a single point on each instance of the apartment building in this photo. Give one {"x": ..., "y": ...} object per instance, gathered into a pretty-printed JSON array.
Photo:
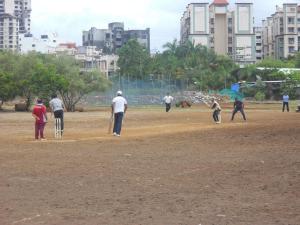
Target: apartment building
[
  {"x": 111, "y": 39},
  {"x": 14, "y": 20},
  {"x": 226, "y": 31},
  {"x": 45, "y": 43},
  {"x": 258, "y": 43},
  {"x": 281, "y": 32}
]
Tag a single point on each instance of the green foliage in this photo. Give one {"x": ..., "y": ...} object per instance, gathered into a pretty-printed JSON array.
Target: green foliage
[
  {"x": 181, "y": 65},
  {"x": 297, "y": 60},
  {"x": 273, "y": 63},
  {"x": 260, "y": 96},
  {"x": 40, "y": 75},
  {"x": 7, "y": 87},
  {"x": 134, "y": 60}
]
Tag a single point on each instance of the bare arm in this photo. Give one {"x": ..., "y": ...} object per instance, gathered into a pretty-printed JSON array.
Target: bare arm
[
  {"x": 125, "y": 109},
  {"x": 112, "y": 109},
  {"x": 35, "y": 116}
]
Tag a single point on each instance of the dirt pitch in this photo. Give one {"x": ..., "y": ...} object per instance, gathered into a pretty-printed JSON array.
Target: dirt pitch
[{"x": 174, "y": 168}]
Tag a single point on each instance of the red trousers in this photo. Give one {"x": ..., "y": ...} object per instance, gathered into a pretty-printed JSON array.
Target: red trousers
[{"x": 39, "y": 130}]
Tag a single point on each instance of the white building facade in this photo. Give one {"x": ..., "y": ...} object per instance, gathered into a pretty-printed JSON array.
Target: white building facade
[
  {"x": 14, "y": 20},
  {"x": 227, "y": 32},
  {"x": 281, "y": 32}
]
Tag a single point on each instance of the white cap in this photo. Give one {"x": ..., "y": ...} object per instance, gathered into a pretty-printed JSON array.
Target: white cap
[{"x": 119, "y": 93}]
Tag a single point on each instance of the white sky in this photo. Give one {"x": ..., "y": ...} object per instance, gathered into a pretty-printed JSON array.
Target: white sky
[{"x": 70, "y": 17}]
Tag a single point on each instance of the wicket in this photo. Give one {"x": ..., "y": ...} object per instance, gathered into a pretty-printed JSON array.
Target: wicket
[{"x": 57, "y": 128}]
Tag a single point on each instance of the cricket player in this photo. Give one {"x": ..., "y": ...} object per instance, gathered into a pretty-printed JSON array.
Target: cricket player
[
  {"x": 118, "y": 109},
  {"x": 216, "y": 111},
  {"x": 57, "y": 108},
  {"x": 285, "y": 102},
  {"x": 39, "y": 113},
  {"x": 298, "y": 107},
  {"x": 238, "y": 106},
  {"x": 168, "y": 100}
]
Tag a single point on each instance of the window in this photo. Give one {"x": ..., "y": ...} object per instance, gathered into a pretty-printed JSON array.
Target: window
[
  {"x": 229, "y": 20},
  {"x": 291, "y": 49},
  {"x": 291, "y": 20},
  {"x": 212, "y": 21},
  {"x": 291, "y": 29},
  {"x": 281, "y": 30},
  {"x": 258, "y": 44},
  {"x": 33, "y": 45},
  {"x": 212, "y": 30},
  {"x": 229, "y": 40},
  {"x": 298, "y": 20},
  {"x": 229, "y": 30},
  {"x": 230, "y": 49},
  {"x": 291, "y": 41}
]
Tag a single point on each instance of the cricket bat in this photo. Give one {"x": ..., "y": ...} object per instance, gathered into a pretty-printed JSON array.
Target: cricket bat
[{"x": 111, "y": 119}]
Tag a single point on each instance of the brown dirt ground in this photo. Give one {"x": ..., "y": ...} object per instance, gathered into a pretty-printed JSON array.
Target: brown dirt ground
[{"x": 174, "y": 168}]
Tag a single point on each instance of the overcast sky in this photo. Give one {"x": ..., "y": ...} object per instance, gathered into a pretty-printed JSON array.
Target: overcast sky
[{"x": 69, "y": 18}]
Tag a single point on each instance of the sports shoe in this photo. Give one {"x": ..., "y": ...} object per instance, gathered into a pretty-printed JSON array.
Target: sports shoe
[{"x": 115, "y": 134}]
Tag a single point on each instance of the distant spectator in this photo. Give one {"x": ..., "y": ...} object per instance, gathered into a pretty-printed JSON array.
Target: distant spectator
[{"x": 285, "y": 102}]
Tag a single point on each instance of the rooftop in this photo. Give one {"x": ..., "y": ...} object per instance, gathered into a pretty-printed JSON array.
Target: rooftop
[{"x": 220, "y": 2}]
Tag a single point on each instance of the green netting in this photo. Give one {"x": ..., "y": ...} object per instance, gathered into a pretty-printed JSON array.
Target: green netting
[{"x": 231, "y": 94}]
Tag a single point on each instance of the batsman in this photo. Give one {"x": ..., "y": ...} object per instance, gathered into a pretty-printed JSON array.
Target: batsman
[{"x": 118, "y": 109}]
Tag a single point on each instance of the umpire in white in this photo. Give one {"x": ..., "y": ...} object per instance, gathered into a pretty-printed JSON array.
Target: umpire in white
[{"x": 118, "y": 109}]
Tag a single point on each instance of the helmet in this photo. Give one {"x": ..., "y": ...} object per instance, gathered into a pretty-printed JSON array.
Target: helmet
[{"x": 119, "y": 93}]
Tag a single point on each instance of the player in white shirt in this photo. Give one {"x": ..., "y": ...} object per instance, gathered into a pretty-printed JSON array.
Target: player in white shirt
[
  {"x": 118, "y": 109},
  {"x": 168, "y": 100},
  {"x": 57, "y": 108},
  {"x": 217, "y": 111}
]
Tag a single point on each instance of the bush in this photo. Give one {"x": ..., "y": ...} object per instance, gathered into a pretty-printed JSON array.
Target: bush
[{"x": 260, "y": 96}]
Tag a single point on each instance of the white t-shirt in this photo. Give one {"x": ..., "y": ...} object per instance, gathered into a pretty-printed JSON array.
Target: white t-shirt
[
  {"x": 168, "y": 99},
  {"x": 285, "y": 98},
  {"x": 119, "y": 103},
  {"x": 56, "y": 104},
  {"x": 216, "y": 106}
]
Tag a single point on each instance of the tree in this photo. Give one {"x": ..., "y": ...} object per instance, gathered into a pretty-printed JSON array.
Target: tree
[
  {"x": 134, "y": 60},
  {"x": 74, "y": 84},
  {"x": 297, "y": 60},
  {"x": 7, "y": 88}
]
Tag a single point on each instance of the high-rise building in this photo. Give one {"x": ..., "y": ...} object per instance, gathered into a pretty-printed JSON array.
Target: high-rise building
[
  {"x": 227, "y": 32},
  {"x": 142, "y": 36},
  {"x": 117, "y": 30},
  {"x": 281, "y": 32},
  {"x": 111, "y": 39},
  {"x": 14, "y": 19},
  {"x": 101, "y": 38},
  {"x": 258, "y": 43}
]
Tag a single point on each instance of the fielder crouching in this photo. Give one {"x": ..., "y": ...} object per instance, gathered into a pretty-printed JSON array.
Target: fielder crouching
[{"x": 118, "y": 109}]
